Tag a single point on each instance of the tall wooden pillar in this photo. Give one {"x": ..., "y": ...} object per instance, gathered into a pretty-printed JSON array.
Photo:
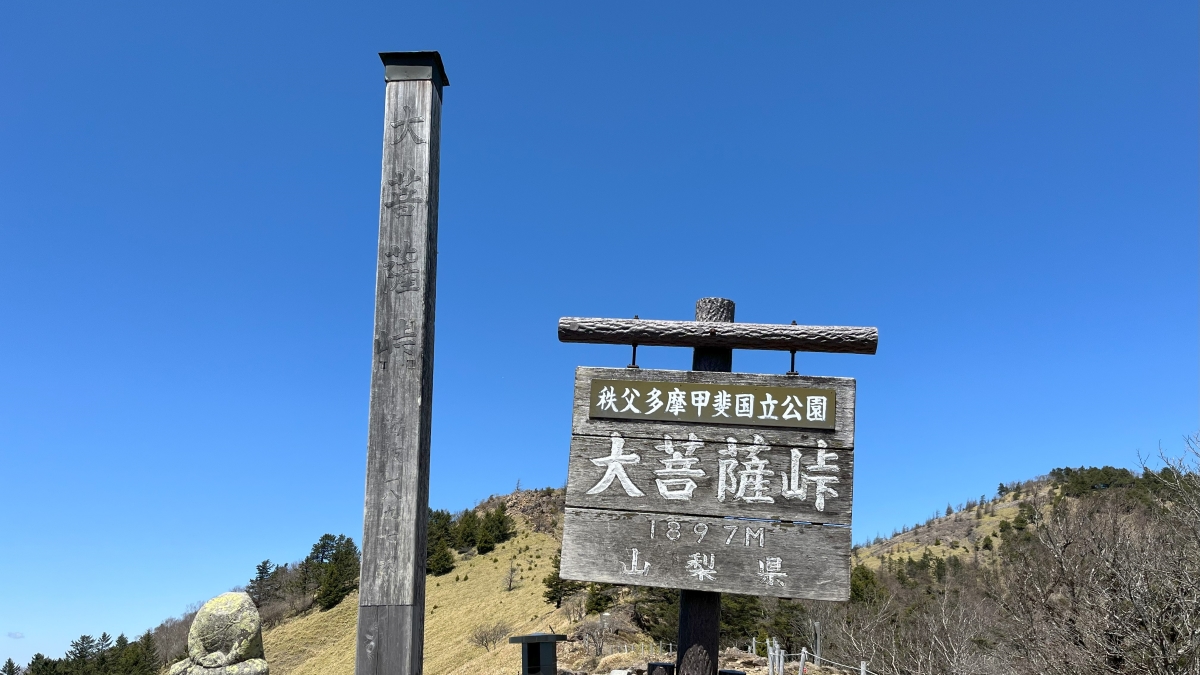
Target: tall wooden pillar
[
  {"x": 392, "y": 586},
  {"x": 700, "y": 611}
]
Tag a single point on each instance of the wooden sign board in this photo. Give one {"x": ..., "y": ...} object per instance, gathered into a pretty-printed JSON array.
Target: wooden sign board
[{"x": 756, "y": 500}]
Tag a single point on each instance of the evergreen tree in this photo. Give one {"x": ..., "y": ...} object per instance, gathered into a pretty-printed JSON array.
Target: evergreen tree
[
  {"x": 484, "y": 543},
  {"x": 322, "y": 551},
  {"x": 466, "y": 530},
  {"x": 136, "y": 659},
  {"x": 599, "y": 598},
  {"x": 307, "y": 577},
  {"x": 788, "y": 623},
  {"x": 9, "y": 668},
  {"x": 557, "y": 588},
  {"x": 865, "y": 586},
  {"x": 149, "y": 650},
  {"x": 82, "y": 650},
  {"x": 656, "y": 611},
  {"x": 341, "y": 574},
  {"x": 260, "y": 589},
  {"x": 441, "y": 525},
  {"x": 438, "y": 559},
  {"x": 739, "y": 618},
  {"x": 104, "y": 655},
  {"x": 497, "y": 525},
  {"x": 40, "y": 665}
]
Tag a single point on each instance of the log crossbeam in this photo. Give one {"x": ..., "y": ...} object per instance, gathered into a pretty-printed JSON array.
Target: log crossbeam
[{"x": 714, "y": 334}]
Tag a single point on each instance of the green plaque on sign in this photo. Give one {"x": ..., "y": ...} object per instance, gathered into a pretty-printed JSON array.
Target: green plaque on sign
[{"x": 761, "y": 406}]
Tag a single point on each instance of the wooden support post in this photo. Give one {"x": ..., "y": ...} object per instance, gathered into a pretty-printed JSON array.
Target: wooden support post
[
  {"x": 817, "y": 652},
  {"x": 700, "y": 611},
  {"x": 392, "y": 584}
]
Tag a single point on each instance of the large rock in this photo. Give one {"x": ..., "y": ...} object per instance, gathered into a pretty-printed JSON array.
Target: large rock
[{"x": 225, "y": 639}]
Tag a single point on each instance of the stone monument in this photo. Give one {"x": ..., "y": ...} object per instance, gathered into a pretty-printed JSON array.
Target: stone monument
[{"x": 225, "y": 639}]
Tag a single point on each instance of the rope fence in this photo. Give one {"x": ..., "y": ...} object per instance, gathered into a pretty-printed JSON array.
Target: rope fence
[{"x": 777, "y": 661}]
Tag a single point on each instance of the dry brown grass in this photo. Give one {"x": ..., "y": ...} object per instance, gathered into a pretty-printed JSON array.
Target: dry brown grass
[
  {"x": 316, "y": 643},
  {"x": 322, "y": 643},
  {"x": 963, "y": 528}
]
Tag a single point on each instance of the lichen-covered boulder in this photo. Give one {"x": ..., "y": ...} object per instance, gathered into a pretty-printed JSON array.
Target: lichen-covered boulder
[{"x": 225, "y": 639}]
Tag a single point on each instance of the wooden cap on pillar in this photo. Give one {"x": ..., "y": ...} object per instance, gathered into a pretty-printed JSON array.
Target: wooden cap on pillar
[{"x": 402, "y": 66}]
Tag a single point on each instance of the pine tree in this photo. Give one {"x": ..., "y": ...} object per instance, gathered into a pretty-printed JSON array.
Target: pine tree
[
  {"x": 150, "y": 651},
  {"x": 740, "y": 615},
  {"x": 40, "y": 665},
  {"x": 484, "y": 543},
  {"x": 440, "y": 525},
  {"x": 599, "y": 598},
  {"x": 104, "y": 655},
  {"x": 656, "y": 611},
  {"x": 785, "y": 621},
  {"x": 865, "y": 586},
  {"x": 82, "y": 650},
  {"x": 307, "y": 577},
  {"x": 341, "y": 574},
  {"x": 260, "y": 587},
  {"x": 439, "y": 561},
  {"x": 466, "y": 530},
  {"x": 322, "y": 551},
  {"x": 138, "y": 658},
  {"x": 277, "y": 581},
  {"x": 9, "y": 668},
  {"x": 497, "y": 524},
  {"x": 557, "y": 588}
]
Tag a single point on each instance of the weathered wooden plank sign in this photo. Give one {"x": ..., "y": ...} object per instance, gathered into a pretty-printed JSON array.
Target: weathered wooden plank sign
[{"x": 709, "y": 491}]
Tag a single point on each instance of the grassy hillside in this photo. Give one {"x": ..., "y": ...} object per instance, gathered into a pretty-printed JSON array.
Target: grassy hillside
[
  {"x": 322, "y": 643},
  {"x": 475, "y": 593},
  {"x": 960, "y": 533},
  {"x": 981, "y": 589}
]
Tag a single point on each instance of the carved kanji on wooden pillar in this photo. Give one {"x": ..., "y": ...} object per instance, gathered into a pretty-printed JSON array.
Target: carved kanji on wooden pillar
[{"x": 392, "y": 586}]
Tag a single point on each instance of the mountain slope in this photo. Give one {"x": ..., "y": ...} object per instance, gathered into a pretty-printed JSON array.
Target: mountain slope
[
  {"x": 322, "y": 643},
  {"x": 961, "y": 533}
]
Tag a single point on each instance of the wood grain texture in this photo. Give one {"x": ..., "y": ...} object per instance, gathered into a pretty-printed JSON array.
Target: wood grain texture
[
  {"x": 583, "y": 475},
  {"x": 392, "y": 582},
  {"x": 713, "y": 334},
  {"x": 715, "y": 309},
  {"x": 598, "y": 546},
  {"x": 842, "y": 437},
  {"x": 713, "y": 359},
  {"x": 695, "y": 660},
  {"x": 384, "y": 646},
  {"x": 700, "y": 611},
  {"x": 401, "y": 379}
]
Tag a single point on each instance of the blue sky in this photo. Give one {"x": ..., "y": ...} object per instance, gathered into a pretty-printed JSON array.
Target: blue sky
[{"x": 188, "y": 220}]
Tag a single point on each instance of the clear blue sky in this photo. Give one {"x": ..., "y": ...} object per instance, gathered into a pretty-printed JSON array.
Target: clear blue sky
[{"x": 188, "y": 219}]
